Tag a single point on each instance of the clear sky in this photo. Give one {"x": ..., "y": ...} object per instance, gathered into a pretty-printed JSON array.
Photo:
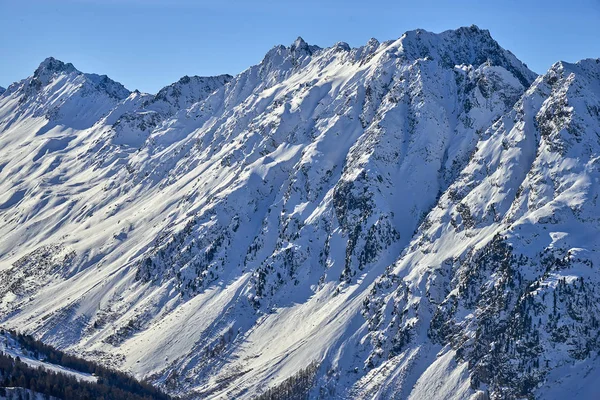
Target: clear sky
[{"x": 147, "y": 44}]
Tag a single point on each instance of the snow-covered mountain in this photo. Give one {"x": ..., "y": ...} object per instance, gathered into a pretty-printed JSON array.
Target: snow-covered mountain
[{"x": 409, "y": 219}]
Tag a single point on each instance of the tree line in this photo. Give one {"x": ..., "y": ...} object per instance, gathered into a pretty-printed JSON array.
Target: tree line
[
  {"x": 296, "y": 387},
  {"x": 111, "y": 384}
]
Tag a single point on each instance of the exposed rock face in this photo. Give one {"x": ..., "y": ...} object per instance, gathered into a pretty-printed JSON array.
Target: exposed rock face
[{"x": 369, "y": 220}]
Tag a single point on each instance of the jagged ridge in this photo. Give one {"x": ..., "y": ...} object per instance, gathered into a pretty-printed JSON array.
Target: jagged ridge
[{"x": 362, "y": 209}]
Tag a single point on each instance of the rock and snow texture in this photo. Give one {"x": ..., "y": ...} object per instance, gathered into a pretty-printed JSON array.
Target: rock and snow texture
[
  {"x": 416, "y": 216},
  {"x": 503, "y": 270}
]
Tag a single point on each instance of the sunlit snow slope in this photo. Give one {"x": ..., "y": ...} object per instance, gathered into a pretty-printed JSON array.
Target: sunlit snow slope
[{"x": 416, "y": 217}]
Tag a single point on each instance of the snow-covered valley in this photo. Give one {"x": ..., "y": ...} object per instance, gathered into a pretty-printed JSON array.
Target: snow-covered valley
[{"x": 417, "y": 218}]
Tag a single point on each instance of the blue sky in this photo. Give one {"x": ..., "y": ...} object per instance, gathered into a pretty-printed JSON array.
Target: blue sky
[{"x": 147, "y": 44}]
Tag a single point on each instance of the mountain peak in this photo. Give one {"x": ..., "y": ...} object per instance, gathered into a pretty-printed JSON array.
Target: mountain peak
[
  {"x": 186, "y": 79},
  {"x": 195, "y": 82},
  {"x": 51, "y": 66},
  {"x": 373, "y": 42},
  {"x": 299, "y": 43},
  {"x": 342, "y": 46},
  {"x": 585, "y": 64},
  {"x": 300, "y": 48},
  {"x": 463, "y": 46},
  {"x": 51, "y": 63},
  {"x": 471, "y": 33},
  {"x": 473, "y": 29},
  {"x": 2, "y": 90}
]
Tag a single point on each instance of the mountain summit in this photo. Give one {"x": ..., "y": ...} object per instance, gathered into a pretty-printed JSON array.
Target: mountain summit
[
  {"x": 51, "y": 67},
  {"x": 415, "y": 218},
  {"x": 468, "y": 46},
  {"x": 62, "y": 95}
]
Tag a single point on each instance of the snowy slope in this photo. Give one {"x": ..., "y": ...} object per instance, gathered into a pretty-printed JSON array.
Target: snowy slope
[
  {"x": 401, "y": 213},
  {"x": 139, "y": 114},
  {"x": 503, "y": 266}
]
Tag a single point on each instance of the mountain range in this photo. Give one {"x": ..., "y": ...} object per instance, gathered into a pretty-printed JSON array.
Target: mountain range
[{"x": 411, "y": 219}]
